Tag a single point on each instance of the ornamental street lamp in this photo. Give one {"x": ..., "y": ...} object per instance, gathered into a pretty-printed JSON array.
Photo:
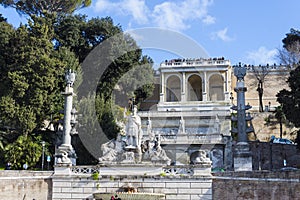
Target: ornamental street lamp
[
  {"x": 43, "y": 154},
  {"x": 231, "y": 98}
]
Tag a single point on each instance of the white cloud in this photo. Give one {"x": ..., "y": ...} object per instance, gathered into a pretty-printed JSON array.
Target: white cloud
[
  {"x": 175, "y": 15},
  {"x": 104, "y": 5},
  {"x": 262, "y": 56},
  {"x": 209, "y": 20},
  {"x": 137, "y": 9},
  {"x": 168, "y": 15},
  {"x": 222, "y": 34}
]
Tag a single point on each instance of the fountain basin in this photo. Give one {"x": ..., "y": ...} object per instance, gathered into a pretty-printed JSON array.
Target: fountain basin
[{"x": 130, "y": 196}]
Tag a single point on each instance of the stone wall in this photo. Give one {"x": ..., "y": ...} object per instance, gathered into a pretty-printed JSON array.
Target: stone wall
[
  {"x": 175, "y": 188},
  {"x": 256, "y": 185},
  {"x": 269, "y": 156},
  {"x": 275, "y": 81},
  {"x": 28, "y": 185},
  {"x": 25, "y": 185}
]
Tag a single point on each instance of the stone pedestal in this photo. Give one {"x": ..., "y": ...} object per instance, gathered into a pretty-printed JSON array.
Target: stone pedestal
[
  {"x": 202, "y": 169},
  {"x": 62, "y": 169},
  {"x": 136, "y": 170},
  {"x": 65, "y": 155},
  {"x": 242, "y": 157}
]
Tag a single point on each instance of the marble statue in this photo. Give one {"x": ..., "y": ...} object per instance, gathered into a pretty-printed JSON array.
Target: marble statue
[
  {"x": 201, "y": 158},
  {"x": 70, "y": 78},
  {"x": 217, "y": 125},
  {"x": 181, "y": 129},
  {"x": 155, "y": 153},
  {"x": 151, "y": 135},
  {"x": 133, "y": 130},
  {"x": 128, "y": 147}
]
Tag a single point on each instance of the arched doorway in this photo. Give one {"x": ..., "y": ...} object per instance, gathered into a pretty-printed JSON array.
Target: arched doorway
[
  {"x": 216, "y": 88},
  {"x": 173, "y": 89},
  {"x": 194, "y": 88}
]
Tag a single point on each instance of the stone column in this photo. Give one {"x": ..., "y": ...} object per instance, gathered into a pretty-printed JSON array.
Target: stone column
[
  {"x": 66, "y": 154},
  {"x": 242, "y": 154},
  {"x": 240, "y": 89},
  {"x": 162, "y": 86},
  {"x": 67, "y": 116},
  {"x": 226, "y": 82},
  {"x": 204, "y": 89},
  {"x": 183, "y": 87}
]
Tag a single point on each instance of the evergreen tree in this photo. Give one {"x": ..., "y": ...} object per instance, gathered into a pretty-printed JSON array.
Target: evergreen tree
[
  {"x": 290, "y": 100},
  {"x": 30, "y": 7},
  {"x": 32, "y": 78},
  {"x": 289, "y": 55}
]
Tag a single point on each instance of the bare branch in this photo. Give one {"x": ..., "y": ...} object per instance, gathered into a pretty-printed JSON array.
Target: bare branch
[
  {"x": 260, "y": 72},
  {"x": 290, "y": 56}
]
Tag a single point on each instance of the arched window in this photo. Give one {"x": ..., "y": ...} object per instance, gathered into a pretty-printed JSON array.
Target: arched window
[
  {"x": 216, "y": 88},
  {"x": 194, "y": 88},
  {"x": 173, "y": 89}
]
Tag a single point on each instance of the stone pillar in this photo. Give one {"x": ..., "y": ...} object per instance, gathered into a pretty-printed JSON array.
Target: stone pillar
[
  {"x": 204, "y": 89},
  {"x": 226, "y": 82},
  {"x": 242, "y": 154},
  {"x": 67, "y": 116},
  {"x": 66, "y": 154},
  {"x": 240, "y": 89},
  {"x": 162, "y": 86},
  {"x": 183, "y": 87}
]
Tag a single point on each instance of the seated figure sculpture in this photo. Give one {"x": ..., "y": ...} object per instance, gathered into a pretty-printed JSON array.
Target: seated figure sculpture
[
  {"x": 129, "y": 148},
  {"x": 201, "y": 158}
]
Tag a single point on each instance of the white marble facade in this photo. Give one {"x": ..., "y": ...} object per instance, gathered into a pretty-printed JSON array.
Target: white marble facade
[
  {"x": 193, "y": 111},
  {"x": 188, "y": 83}
]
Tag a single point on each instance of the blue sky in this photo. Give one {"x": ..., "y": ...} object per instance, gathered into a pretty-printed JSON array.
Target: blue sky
[{"x": 239, "y": 30}]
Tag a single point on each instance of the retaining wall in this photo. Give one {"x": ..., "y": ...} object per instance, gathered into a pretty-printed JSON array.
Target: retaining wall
[
  {"x": 25, "y": 185},
  {"x": 256, "y": 185},
  {"x": 175, "y": 188}
]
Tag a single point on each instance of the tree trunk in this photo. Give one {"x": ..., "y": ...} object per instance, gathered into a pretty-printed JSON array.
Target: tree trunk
[
  {"x": 260, "y": 91},
  {"x": 280, "y": 123}
]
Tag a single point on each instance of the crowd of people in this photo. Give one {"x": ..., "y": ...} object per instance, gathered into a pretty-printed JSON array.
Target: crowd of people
[{"x": 192, "y": 60}]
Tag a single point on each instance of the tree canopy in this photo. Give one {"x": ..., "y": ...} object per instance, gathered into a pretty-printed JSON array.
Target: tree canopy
[
  {"x": 32, "y": 77},
  {"x": 82, "y": 35},
  {"x": 289, "y": 55},
  {"x": 290, "y": 99},
  {"x": 30, "y": 7},
  {"x": 34, "y": 58}
]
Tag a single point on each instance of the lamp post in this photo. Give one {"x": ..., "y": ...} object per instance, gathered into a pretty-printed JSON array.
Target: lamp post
[
  {"x": 43, "y": 145},
  {"x": 231, "y": 98}
]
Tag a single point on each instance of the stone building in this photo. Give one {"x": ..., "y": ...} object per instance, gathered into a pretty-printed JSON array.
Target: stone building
[
  {"x": 193, "y": 110},
  {"x": 190, "y": 108},
  {"x": 274, "y": 81}
]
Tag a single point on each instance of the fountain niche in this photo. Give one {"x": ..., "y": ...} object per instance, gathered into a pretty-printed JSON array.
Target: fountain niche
[
  {"x": 131, "y": 148},
  {"x": 130, "y": 196},
  {"x": 130, "y": 193},
  {"x": 135, "y": 154},
  {"x": 131, "y": 154}
]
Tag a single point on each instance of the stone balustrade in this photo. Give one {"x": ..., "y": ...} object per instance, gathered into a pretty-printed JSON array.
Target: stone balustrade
[
  {"x": 194, "y": 62},
  {"x": 165, "y": 171}
]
